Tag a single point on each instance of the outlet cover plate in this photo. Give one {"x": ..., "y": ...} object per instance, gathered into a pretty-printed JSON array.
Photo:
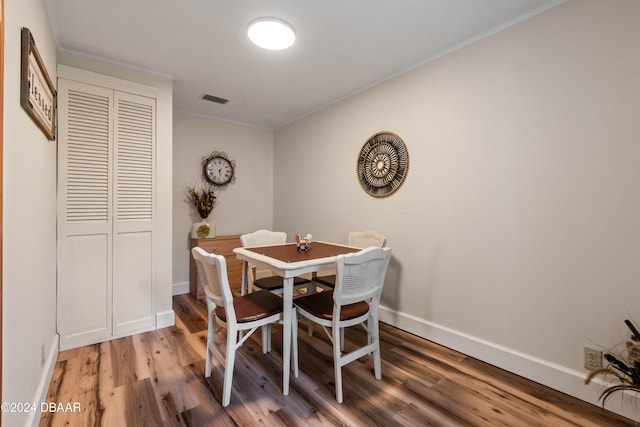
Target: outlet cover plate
[{"x": 592, "y": 358}]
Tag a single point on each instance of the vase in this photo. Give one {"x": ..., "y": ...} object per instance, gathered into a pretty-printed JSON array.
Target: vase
[{"x": 203, "y": 230}]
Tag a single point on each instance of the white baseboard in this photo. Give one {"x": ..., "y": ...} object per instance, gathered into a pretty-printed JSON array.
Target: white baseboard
[
  {"x": 43, "y": 386},
  {"x": 561, "y": 378},
  {"x": 165, "y": 319},
  {"x": 180, "y": 288}
]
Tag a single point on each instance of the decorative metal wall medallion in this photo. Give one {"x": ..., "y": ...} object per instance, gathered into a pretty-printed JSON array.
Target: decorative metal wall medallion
[{"x": 383, "y": 164}]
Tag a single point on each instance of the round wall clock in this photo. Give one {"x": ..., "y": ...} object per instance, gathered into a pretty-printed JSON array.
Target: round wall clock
[
  {"x": 219, "y": 170},
  {"x": 383, "y": 164}
]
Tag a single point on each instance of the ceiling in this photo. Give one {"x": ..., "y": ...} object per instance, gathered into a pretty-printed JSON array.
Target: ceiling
[{"x": 342, "y": 47}]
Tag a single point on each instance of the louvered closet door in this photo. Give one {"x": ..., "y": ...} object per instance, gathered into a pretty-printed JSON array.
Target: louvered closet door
[
  {"x": 106, "y": 157},
  {"x": 84, "y": 213},
  {"x": 134, "y": 155}
]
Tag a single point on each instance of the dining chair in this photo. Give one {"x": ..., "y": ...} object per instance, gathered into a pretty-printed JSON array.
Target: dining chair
[
  {"x": 354, "y": 301},
  {"x": 264, "y": 279},
  {"x": 238, "y": 314},
  {"x": 357, "y": 239}
]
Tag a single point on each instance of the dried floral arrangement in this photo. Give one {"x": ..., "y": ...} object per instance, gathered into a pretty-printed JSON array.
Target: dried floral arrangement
[
  {"x": 625, "y": 368},
  {"x": 202, "y": 200}
]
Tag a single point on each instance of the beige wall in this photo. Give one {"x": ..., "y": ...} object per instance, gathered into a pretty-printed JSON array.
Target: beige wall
[
  {"x": 29, "y": 223},
  {"x": 244, "y": 206},
  {"x": 516, "y": 236}
]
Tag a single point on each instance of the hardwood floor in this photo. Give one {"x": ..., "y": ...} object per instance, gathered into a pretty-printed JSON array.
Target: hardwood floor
[{"x": 156, "y": 379}]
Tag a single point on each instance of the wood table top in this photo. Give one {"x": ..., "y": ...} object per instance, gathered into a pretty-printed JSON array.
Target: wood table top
[{"x": 290, "y": 253}]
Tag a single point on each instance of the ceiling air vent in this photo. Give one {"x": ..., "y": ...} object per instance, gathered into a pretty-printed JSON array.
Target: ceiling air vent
[{"x": 216, "y": 99}]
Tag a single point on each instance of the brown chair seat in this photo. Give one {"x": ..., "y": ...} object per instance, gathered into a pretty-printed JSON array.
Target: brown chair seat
[
  {"x": 254, "y": 306},
  {"x": 321, "y": 305},
  {"x": 328, "y": 281},
  {"x": 273, "y": 283}
]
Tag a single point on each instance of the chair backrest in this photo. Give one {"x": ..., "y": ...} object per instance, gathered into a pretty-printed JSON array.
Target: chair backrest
[
  {"x": 263, "y": 238},
  {"x": 212, "y": 273},
  {"x": 365, "y": 239},
  {"x": 360, "y": 275}
]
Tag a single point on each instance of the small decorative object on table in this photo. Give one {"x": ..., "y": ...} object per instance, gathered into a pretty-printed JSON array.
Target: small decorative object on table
[
  {"x": 303, "y": 244},
  {"x": 625, "y": 369},
  {"x": 202, "y": 202}
]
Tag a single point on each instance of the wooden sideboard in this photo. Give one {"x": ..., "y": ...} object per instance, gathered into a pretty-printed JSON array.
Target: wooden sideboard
[{"x": 219, "y": 245}]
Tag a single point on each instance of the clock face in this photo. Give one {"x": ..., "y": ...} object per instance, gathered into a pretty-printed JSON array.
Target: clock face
[
  {"x": 218, "y": 170},
  {"x": 383, "y": 164}
]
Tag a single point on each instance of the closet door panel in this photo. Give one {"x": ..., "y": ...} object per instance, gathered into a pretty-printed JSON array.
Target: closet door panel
[
  {"x": 84, "y": 213},
  {"x": 132, "y": 304},
  {"x": 134, "y": 159},
  {"x": 86, "y": 313}
]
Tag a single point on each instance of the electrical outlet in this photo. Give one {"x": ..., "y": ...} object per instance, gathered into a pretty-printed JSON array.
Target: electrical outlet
[
  {"x": 42, "y": 360},
  {"x": 592, "y": 358}
]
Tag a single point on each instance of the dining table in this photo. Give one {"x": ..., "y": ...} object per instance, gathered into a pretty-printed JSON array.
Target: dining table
[{"x": 288, "y": 262}]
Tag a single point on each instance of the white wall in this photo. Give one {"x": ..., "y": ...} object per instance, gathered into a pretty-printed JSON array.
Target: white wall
[
  {"x": 29, "y": 223},
  {"x": 244, "y": 206},
  {"x": 516, "y": 236}
]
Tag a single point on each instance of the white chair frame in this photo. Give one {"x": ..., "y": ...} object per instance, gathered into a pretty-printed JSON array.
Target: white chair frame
[
  {"x": 356, "y": 239},
  {"x": 360, "y": 277},
  {"x": 367, "y": 238},
  {"x": 212, "y": 271}
]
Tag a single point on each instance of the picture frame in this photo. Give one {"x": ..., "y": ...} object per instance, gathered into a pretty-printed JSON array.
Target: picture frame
[{"x": 37, "y": 93}]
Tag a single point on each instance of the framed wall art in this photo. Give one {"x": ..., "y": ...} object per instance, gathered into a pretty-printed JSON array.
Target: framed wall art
[
  {"x": 383, "y": 164},
  {"x": 37, "y": 93}
]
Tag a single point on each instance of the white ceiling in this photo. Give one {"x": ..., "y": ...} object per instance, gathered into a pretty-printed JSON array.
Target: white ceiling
[{"x": 343, "y": 46}]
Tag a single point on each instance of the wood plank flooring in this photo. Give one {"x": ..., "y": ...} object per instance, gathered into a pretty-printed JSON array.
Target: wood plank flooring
[{"x": 157, "y": 379}]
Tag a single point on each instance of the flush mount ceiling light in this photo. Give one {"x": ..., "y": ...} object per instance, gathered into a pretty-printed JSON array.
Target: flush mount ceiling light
[{"x": 271, "y": 33}]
